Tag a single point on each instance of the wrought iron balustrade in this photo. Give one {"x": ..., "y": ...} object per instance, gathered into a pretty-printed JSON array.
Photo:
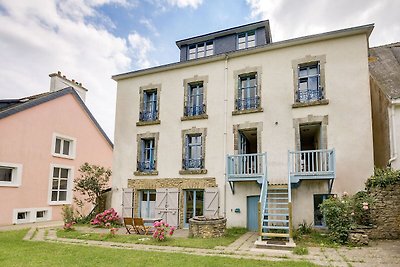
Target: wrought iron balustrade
[
  {"x": 309, "y": 95},
  {"x": 148, "y": 115},
  {"x": 195, "y": 110},
  {"x": 146, "y": 166},
  {"x": 189, "y": 164},
  {"x": 248, "y": 103}
]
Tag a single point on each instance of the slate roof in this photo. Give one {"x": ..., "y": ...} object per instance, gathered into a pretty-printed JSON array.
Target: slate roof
[
  {"x": 9, "y": 107},
  {"x": 384, "y": 68}
]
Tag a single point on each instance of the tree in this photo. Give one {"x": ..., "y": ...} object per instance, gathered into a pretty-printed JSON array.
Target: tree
[{"x": 91, "y": 183}]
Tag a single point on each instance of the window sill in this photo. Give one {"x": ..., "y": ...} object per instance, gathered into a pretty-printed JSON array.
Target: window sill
[
  {"x": 197, "y": 117},
  {"x": 63, "y": 156},
  {"x": 247, "y": 111},
  {"x": 310, "y": 104},
  {"x": 144, "y": 123},
  {"x": 139, "y": 173},
  {"x": 200, "y": 171},
  {"x": 60, "y": 203},
  {"x": 11, "y": 184}
]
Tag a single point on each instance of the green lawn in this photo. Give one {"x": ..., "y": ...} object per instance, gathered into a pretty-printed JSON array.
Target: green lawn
[
  {"x": 315, "y": 239},
  {"x": 16, "y": 252},
  {"x": 231, "y": 235}
]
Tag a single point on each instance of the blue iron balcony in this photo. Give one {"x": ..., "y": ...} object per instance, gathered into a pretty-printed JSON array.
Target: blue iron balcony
[
  {"x": 195, "y": 110},
  {"x": 193, "y": 164},
  {"x": 246, "y": 167},
  {"x": 248, "y": 103},
  {"x": 148, "y": 115},
  {"x": 309, "y": 95},
  {"x": 146, "y": 166},
  {"x": 312, "y": 165}
]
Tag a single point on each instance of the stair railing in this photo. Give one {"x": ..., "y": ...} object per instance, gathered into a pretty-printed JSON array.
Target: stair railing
[
  {"x": 263, "y": 197},
  {"x": 290, "y": 197}
]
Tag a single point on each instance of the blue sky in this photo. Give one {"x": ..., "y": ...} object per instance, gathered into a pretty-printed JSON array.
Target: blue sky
[{"x": 91, "y": 40}]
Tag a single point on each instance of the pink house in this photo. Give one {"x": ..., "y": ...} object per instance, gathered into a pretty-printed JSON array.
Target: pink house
[{"x": 44, "y": 140}]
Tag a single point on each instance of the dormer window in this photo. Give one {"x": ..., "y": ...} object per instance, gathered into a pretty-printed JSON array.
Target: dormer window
[
  {"x": 246, "y": 40},
  {"x": 201, "y": 50}
]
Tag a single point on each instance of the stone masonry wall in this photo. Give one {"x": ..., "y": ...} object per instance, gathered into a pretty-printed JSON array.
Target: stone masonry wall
[
  {"x": 180, "y": 183},
  {"x": 385, "y": 213}
]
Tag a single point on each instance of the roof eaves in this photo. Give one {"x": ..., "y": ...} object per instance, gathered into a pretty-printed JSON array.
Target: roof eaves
[{"x": 364, "y": 29}]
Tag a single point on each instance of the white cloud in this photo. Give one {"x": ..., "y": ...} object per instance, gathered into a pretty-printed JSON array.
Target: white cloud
[
  {"x": 290, "y": 19},
  {"x": 140, "y": 47},
  {"x": 149, "y": 25},
  {"x": 40, "y": 37},
  {"x": 185, "y": 3}
]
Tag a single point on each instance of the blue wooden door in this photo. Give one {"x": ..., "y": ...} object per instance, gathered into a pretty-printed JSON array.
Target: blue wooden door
[{"x": 252, "y": 213}]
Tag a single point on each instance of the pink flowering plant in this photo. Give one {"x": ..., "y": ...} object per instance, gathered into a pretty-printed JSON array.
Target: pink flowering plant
[
  {"x": 106, "y": 218},
  {"x": 162, "y": 230}
]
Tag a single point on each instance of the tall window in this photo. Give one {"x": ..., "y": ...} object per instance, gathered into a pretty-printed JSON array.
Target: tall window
[
  {"x": 195, "y": 97},
  {"x": 318, "y": 217},
  {"x": 194, "y": 204},
  {"x": 193, "y": 148},
  {"x": 147, "y": 159},
  {"x": 147, "y": 204},
  {"x": 309, "y": 86},
  {"x": 201, "y": 50},
  {"x": 246, "y": 39},
  {"x": 60, "y": 180},
  {"x": 247, "y": 97},
  {"x": 149, "y": 112}
]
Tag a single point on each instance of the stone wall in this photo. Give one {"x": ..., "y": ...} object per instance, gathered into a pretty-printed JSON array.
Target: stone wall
[
  {"x": 207, "y": 228},
  {"x": 180, "y": 183},
  {"x": 385, "y": 213}
]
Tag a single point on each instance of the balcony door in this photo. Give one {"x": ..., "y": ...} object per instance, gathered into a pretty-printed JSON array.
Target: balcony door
[
  {"x": 310, "y": 140},
  {"x": 248, "y": 141}
]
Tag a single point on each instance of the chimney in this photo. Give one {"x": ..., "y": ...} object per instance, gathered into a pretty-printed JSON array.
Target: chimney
[{"x": 58, "y": 82}]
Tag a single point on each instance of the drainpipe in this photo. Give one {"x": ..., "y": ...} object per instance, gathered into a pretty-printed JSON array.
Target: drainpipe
[
  {"x": 226, "y": 126},
  {"x": 392, "y": 135}
]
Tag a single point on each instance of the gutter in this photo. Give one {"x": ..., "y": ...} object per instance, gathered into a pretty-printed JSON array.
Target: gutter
[{"x": 226, "y": 125}]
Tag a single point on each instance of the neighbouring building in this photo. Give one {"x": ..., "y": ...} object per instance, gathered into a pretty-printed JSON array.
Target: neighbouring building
[
  {"x": 45, "y": 138},
  {"x": 242, "y": 122},
  {"x": 384, "y": 65}
]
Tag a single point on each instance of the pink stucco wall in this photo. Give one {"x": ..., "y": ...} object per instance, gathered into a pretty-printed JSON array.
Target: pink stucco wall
[{"x": 26, "y": 138}]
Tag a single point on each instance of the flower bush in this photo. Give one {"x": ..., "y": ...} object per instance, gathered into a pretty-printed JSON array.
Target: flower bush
[
  {"x": 383, "y": 178},
  {"x": 106, "y": 218},
  {"x": 68, "y": 226},
  {"x": 162, "y": 230},
  {"x": 343, "y": 214}
]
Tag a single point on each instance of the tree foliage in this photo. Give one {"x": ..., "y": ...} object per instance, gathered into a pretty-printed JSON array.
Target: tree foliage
[{"x": 91, "y": 182}]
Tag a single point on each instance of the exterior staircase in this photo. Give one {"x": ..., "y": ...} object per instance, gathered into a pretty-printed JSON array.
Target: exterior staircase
[{"x": 275, "y": 221}]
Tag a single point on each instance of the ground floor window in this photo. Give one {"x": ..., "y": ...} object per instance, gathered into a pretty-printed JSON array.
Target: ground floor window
[
  {"x": 147, "y": 203},
  {"x": 194, "y": 204},
  {"x": 318, "y": 217}
]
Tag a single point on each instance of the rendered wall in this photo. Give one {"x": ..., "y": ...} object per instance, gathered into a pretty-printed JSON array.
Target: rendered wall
[{"x": 26, "y": 138}]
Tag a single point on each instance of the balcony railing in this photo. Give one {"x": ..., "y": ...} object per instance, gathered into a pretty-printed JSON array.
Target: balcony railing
[
  {"x": 246, "y": 166},
  {"x": 195, "y": 110},
  {"x": 148, "y": 115},
  {"x": 193, "y": 164},
  {"x": 312, "y": 164},
  {"x": 146, "y": 166},
  {"x": 309, "y": 95},
  {"x": 248, "y": 103}
]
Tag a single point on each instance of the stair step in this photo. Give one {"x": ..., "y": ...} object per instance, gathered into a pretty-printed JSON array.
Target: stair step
[
  {"x": 274, "y": 235},
  {"x": 278, "y": 198},
  {"x": 276, "y": 214},
  {"x": 276, "y": 209},
  {"x": 276, "y": 193},
  {"x": 276, "y": 227},
  {"x": 270, "y": 220},
  {"x": 278, "y": 203}
]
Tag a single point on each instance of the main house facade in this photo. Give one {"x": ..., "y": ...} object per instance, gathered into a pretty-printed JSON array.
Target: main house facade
[
  {"x": 44, "y": 140},
  {"x": 224, "y": 131}
]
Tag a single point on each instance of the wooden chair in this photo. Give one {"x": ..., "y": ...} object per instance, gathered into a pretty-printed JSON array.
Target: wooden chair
[
  {"x": 140, "y": 227},
  {"x": 128, "y": 222}
]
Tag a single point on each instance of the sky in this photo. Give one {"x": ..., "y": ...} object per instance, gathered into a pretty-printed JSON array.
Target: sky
[{"x": 91, "y": 40}]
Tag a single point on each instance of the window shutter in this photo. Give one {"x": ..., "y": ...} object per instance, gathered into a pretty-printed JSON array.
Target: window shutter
[
  {"x": 127, "y": 202},
  {"x": 211, "y": 202},
  {"x": 142, "y": 150}
]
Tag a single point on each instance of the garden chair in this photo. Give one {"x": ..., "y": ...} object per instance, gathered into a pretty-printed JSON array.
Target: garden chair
[
  {"x": 140, "y": 227},
  {"x": 128, "y": 222}
]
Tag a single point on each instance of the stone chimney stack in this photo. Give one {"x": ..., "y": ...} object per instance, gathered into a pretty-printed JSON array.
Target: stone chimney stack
[{"x": 58, "y": 82}]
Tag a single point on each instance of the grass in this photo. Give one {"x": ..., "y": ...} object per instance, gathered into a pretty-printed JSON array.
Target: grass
[
  {"x": 16, "y": 252},
  {"x": 315, "y": 239},
  {"x": 231, "y": 235},
  {"x": 300, "y": 250}
]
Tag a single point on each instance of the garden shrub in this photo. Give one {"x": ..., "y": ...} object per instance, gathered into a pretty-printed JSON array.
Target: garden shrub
[
  {"x": 106, "y": 219},
  {"x": 361, "y": 208},
  {"x": 383, "y": 178},
  {"x": 68, "y": 214},
  {"x": 338, "y": 215},
  {"x": 162, "y": 230}
]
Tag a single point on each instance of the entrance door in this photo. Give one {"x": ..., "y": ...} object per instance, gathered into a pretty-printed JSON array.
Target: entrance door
[
  {"x": 167, "y": 205},
  {"x": 194, "y": 205},
  {"x": 252, "y": 213}
]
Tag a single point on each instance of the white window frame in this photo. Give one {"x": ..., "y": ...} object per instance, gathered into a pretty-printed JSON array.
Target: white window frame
[
  {"x": 69, "y": 184},
  {"x": 16, "y": 176},
  {"x": 246, "y": 42},
  {"x": 72, "y": 147},
  {"x": 31, "y": 215}
]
